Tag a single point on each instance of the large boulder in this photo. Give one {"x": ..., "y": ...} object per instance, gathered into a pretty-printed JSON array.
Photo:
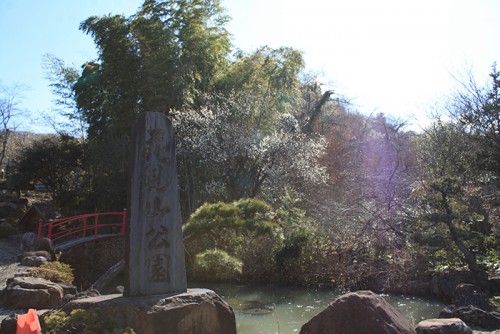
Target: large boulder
[
  {"x": 45, "y": 254},
  {"x": 469, "y": 294},
  {"x": 78, "y": 295},
  {"x": 45, "y": 244},
  {"x": 28, "y": 241},
  {"x": 30, "y": 292},
  {"x": 9, "y": 325},
  {"x": 473, "y": 316},
  {"x": 33, "y": 261},
  {"x": 362, "y": 312},
  {"x": 445, "y": 283},
  {"x": 198, "y": 311},
  {"x": 35, "y": 258},
  {"x": 443, "y": 326}
]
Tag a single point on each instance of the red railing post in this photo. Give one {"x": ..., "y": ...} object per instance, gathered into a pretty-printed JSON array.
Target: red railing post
[
  {"x": 40, "y": 228},
  {"x": 124, "y": 221},
  {"x": 84, "y": 227},
  {"x": 96, "y": 225}
]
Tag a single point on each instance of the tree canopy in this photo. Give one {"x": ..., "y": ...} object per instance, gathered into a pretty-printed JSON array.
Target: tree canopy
[
  {"x": 477, "y": 110},
  {"x": 163, "y": 57}
]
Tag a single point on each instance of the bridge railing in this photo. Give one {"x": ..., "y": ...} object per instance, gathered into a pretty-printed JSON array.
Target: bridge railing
[{"x": 87, "y": 225}]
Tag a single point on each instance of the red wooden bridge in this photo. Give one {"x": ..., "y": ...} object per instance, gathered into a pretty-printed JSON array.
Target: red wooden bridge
[{"x": 71, "y": 231}]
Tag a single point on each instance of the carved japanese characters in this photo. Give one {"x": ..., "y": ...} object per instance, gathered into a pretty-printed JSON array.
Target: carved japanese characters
[{"x": 155, "y": 251}]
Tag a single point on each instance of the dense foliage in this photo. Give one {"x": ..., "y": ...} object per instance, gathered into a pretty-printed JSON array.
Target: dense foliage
[
  {"x": 54, "y": 271},
  {"x": 279, "y": 180},
  {"x": 216, "y": 265},
  {"x": 55, "y": 162}
]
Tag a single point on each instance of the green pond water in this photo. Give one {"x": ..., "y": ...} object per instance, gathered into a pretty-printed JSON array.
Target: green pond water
[{"x": 283, "y": 310}]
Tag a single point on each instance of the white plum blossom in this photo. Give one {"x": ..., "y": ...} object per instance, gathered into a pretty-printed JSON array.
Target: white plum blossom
[{"x": 230, "y": 150}]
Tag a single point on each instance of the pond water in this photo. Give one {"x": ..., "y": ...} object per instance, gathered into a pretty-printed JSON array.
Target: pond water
[{"x": 283, "y": 310}]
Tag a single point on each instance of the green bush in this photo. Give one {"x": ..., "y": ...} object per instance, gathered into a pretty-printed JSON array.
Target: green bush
[
  {"x": 55, "y": 271},
  {"x": 247, "y": 215},
  {"x": 217, "y": 265},
  {"x": 210, "y": 217},
  {"x": 82, "y": 321},
  {"x": 246, "y": 229},
  {"x": 256, "y": 215}
]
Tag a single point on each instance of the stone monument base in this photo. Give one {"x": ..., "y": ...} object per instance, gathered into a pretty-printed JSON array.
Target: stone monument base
[{"x": 199, "y": 311}]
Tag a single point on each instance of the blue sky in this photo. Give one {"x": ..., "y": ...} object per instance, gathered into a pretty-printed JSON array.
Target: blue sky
[{"x": 390, "y": 56}]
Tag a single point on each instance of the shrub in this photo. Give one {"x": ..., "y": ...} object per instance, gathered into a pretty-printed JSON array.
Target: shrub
[
  {"x": 55, "y": 271},
  {"x": 82, "y": 321},
  {"x": 212, "y": 216},
  {"x": 245, "y": 215},
  {"x": 256, "y": 215},
  {"x": 246, "y": 229},
  {"x": 217, "y": 265}
]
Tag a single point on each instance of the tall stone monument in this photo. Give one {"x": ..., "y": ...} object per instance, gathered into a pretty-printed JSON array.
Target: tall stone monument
[{"x": 155, "y": 250}]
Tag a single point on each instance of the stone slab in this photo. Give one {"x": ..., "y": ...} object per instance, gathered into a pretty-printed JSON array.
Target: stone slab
[
  {"x": 199, "y": 311},
  {"x": 443, "y": 326},
  {"x": 155, "y": 250}
]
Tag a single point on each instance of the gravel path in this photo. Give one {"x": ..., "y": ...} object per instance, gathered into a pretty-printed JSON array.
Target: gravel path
[{"x": 9, "y": 266}]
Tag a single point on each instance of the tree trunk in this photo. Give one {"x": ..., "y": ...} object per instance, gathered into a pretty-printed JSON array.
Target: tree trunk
[
  {"x": 108, "y": 276},
  {"x": 469, "y": 256}
]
